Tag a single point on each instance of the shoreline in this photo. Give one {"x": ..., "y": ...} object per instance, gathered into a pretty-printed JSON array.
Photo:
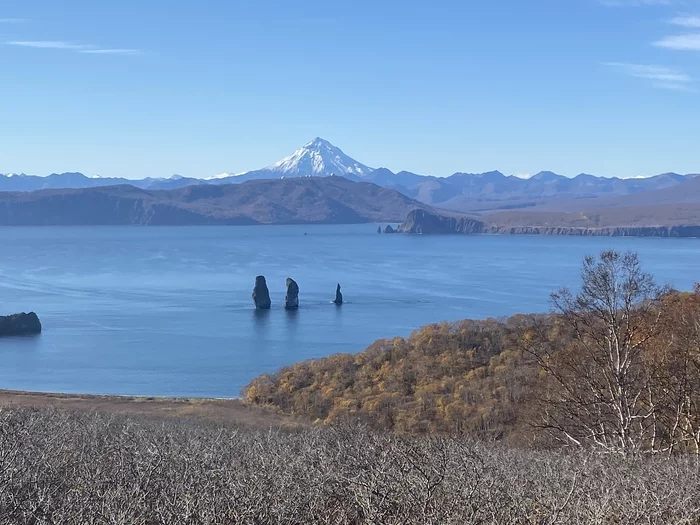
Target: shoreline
[{"x": 226, "y": 410}]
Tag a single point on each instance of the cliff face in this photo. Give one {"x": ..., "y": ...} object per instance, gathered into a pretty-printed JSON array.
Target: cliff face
[
  {"x": 421, "y": 221},
  {"x": 620, "y": 231}
]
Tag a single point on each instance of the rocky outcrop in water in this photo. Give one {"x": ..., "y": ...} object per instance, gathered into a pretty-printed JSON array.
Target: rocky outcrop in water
[
  {"x": 261, "y": 295},
  {"x": 338, "y": 295},
  {"x": 379, "y": 229},
  {"x": 20, "y": 324},
  {"x": 389, "y": 229},
  {"x": 291, "y": 300},
  {"x": 421, "y": 221}
]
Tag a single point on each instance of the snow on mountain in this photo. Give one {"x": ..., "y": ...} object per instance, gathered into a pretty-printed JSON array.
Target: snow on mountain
[
  {"x": 318, "y": 158},
  {"x": 224, "y": 176}
]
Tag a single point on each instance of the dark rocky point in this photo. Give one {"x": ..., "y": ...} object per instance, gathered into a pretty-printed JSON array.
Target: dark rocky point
[
  {"x": 20, "y": 324},
  {"x": 389, "y": 229},
  {"x": 291, "y": 301},
  {"x": 379, "y": 229},
  {"x": 338, "y": 295},
  {"x": 261, "y": 295},
  {"x": 421, "y": 221}
]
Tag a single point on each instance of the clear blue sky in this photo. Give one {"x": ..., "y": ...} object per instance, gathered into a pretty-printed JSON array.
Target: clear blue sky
[{"x": 150, "y": 88}]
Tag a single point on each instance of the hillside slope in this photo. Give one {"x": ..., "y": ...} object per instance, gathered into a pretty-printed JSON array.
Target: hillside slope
[{"x": 332, "y": 200}]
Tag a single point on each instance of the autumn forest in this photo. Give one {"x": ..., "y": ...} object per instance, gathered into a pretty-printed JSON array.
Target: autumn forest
[{"x": 614, "y": 366}]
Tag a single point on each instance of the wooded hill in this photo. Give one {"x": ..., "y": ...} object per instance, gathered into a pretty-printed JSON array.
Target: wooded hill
[{"x": 615, "y": 367}]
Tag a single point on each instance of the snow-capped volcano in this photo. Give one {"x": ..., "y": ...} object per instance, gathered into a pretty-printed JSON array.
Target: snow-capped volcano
[{"x": 318, "y": 158}]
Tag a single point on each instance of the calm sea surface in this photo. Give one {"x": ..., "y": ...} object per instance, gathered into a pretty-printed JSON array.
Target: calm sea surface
[{"x": 167, "y": 311}]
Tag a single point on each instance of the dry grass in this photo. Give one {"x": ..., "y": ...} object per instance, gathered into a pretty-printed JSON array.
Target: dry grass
[{"x": 211, "y": 410}]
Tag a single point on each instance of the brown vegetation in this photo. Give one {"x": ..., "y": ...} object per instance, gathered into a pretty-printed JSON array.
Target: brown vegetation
[
  {"x": 620, "y": 364},
  {"x": 615, "y": 367},
  {"x": 466, "y": 377},
  {"x": 72, "y": 467},
  {"x": 192, "y": 409}
]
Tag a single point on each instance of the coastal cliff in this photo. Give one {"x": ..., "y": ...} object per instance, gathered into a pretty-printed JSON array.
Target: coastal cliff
[
  {"x": 619, "y": 231},
  {"x": 422, "y": 221},
  {"x": 425, "y": 222}
]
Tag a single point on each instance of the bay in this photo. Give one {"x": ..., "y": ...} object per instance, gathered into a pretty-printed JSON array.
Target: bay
[{"x": 167, "y": 311}]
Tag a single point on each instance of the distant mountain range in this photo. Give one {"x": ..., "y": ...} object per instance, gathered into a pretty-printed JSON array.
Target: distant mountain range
[
  {"x": 463, "y": 192},
  {"x": 671, "y": 211},
  {"x": 63, "y": 181}
]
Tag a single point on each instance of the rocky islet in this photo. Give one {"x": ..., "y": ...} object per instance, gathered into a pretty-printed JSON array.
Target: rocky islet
[
  {"x": 20, "y": 324},
  {"x": 261, "y": 294}
]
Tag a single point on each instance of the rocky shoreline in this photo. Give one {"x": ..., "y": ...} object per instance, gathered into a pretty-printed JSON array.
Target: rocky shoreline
[
  {"x": 620, "y": 231},
  {"x": 425, "y": 222}
]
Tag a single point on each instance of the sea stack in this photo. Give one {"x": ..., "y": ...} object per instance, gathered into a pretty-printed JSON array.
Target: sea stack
[
  {"x": 261, "y": 295},
  {"x": 389, "y": 229},
  {"x": 291, "y": 301},
  {"x": 379, "y": 229},
  {"x": 20, "y": 324},
  {"x": 338, "y": 296}
]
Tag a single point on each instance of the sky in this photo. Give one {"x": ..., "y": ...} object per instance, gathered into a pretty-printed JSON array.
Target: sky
[{"x": 134, "y": 89}]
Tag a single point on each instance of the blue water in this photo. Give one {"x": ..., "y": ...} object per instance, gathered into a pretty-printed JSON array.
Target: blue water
[{"x": 167, "y": 311}]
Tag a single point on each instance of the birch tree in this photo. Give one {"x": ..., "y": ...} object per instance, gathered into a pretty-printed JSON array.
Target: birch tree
[{"x": 598, "y": 383}]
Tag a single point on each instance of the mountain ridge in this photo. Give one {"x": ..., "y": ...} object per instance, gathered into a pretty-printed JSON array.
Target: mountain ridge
[
  {"x": 671, "y": 212},
  {"x": 317, "y": 200}
]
